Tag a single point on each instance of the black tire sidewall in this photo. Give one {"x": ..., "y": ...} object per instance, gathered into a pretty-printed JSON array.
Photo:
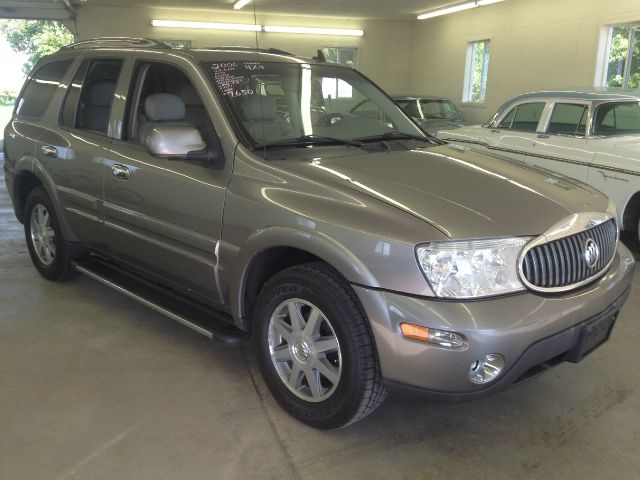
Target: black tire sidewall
[
  {"x": 342, "y": 405},
  {"x": 61, "y": 264}
]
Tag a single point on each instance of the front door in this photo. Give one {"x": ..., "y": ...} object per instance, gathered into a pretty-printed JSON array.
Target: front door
[{"x": 164, "y": 215}]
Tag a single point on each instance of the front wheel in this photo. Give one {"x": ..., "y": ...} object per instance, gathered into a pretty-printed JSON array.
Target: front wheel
[
  {"x": 47, "y": 247},
  {"x": 315, "y": 347}
]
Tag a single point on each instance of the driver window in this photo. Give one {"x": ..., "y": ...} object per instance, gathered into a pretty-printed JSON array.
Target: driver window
[
  {"x": 162, "y": 95},
  {"x": 527, "y": 116}
]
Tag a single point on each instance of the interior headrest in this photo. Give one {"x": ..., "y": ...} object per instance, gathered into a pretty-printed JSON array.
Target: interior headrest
[
  {"x": 100, "y": 94},
  {"x": 189, "y": 95},
  {"x": 259, "y": 107},
  {"x": 164, "y": 107}
]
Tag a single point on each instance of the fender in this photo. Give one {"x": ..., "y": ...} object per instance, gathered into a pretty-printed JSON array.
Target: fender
[
  {"x": 315, "y": 243},
  {"x": 34, "y": 166}
]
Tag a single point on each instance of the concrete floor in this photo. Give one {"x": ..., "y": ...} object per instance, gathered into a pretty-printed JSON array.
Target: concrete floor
[{"x": 96, "y": 386}]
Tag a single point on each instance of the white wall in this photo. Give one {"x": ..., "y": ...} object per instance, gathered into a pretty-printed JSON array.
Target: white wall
[
  {"x": 535, "y": 44},
  {"x": 383, "y": 53}
]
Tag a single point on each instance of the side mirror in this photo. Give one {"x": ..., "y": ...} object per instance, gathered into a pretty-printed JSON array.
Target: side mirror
[{"x": 175, "y": 141}]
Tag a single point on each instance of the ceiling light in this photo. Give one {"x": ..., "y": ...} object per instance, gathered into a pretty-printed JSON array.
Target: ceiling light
[
  {"x": 241, "y": 3},
  {"x": 456, "y": 8},
  {"x": 206, "y": 25},
  {"x": 313, "y": 31},
  {"x": 444, "y": 11}
]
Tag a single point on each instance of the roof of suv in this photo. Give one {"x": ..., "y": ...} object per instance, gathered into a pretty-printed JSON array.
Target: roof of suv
[{"x": 212, "y": 54}]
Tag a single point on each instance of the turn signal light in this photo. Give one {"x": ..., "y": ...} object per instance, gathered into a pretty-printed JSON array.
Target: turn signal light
[{"x": 441, "y": 338}]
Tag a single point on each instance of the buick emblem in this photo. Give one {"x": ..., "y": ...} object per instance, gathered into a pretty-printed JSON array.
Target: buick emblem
[{"x": 591, "y": 252}]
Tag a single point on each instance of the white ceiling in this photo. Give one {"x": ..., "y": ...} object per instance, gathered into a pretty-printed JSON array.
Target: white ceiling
[{"x": 373, "y": 9}]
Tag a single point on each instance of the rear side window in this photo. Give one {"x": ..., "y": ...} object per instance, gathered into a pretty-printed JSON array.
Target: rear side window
[
  {"x": 40, "y": 88},
  {"x": 617, "y": 119},
  {"x": 568, "y": 119},
  {"x": 90, "y": 96}
]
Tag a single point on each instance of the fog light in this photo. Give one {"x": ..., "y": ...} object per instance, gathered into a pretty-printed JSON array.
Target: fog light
[
  {"x": 441, "y": 338},
  {"x": 486, "y": 369}
]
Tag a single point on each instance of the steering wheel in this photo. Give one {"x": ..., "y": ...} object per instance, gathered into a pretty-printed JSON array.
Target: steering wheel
[{"x": 330, "y": 119}]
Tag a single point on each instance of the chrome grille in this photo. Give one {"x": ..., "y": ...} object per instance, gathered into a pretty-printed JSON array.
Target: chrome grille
[{"x": 565, "y": 262}]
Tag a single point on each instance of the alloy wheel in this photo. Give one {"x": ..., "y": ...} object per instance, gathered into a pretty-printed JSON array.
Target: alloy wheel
[{"x": 305, "y": 350}]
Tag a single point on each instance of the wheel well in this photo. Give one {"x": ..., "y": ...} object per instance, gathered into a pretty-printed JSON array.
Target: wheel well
[
  {"x": 631, "y": 213},
  {"x": 266, "y": 265},
  {"x": 25, "y": 182}
]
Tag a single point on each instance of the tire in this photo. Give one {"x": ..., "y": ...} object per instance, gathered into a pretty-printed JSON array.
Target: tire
[
  {"x": 48, "y": 250},
  {"x": 340, "y": 380}
]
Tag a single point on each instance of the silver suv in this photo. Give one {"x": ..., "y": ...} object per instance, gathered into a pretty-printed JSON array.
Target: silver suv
[{"x": 238, "y": 192}]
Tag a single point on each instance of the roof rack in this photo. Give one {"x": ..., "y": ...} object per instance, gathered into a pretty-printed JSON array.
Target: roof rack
[
  {"x": 135, "y": 42},
  {"x": 253, "y": 49}
]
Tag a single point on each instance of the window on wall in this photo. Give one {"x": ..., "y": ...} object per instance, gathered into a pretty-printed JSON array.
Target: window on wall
[
  {"x": 332, "y": 87},
  {"x": 475, "y": 78},
  {"x": 344, "y": 56},
  {"x": 622, "y": 60}
]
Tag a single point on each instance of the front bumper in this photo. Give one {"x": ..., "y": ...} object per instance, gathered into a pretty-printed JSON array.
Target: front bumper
[{"x": 532, "y": 331}]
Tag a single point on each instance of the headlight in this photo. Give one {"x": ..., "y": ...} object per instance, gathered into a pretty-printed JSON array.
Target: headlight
[{"x": 472, "y": 268}]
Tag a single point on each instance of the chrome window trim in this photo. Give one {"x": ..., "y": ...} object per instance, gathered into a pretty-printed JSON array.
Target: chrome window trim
[{"x": 566, "y": 227}]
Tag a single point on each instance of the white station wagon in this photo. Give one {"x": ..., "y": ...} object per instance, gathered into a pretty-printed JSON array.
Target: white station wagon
[{"x": 590, "y": 136}]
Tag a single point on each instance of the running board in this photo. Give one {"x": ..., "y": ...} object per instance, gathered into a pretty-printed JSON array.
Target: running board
[{"x": 206, "y": 321}]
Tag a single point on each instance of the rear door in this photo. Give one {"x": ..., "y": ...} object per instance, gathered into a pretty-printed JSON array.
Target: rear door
[
  {"x": 164, "y": 215},
  {"x": 562, "y": 145},
  {"x": 79, "y": 147}
]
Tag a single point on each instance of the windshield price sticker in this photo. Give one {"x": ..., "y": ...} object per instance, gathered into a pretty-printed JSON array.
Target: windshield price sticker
[{"x": 232, "y": 77}]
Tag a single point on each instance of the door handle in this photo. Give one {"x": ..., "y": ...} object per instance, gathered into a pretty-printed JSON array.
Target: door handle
[
  {"x": 120, "y": 171},
  {"x": 49, "y": 151}
]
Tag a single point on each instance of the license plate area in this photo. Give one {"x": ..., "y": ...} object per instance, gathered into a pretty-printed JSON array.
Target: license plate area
[{"x": 592, "y": 335}]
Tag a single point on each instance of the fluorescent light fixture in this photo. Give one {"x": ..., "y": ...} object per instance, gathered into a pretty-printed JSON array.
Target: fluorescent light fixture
[
  {"x": 241, "y": 3},
  {"x": 256, "y": 28},
  {"x": 313, "y": 31},
  {"x": 206, "y": 25},
  {"x": 456, "y": 8},
  {"x": 444, "y": 11}
]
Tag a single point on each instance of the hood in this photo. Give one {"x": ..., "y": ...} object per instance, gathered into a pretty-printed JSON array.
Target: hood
[
  {"x": 434, "y": 125},
  {"x": 462, "y": 193}
]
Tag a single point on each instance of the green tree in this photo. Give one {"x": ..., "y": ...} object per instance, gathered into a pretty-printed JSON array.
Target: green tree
[{"x": 36, "y": 38}]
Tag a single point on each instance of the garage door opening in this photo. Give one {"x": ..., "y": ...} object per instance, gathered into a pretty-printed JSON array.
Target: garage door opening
[{"x": 22, "y": 44}]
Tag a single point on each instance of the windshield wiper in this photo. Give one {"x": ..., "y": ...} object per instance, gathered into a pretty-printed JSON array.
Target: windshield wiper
[
  {"x": 397, "y": 135},
  {"x": 307, "y": 140}
]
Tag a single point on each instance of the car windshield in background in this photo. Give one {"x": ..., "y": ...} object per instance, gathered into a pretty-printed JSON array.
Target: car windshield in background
[
  {"x": 619, "y": 118},
  {"x": 443, "y": 109},
  {"x": 279, "y": 103}
]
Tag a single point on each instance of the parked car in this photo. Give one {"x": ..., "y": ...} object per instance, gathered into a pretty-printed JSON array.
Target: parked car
[
  {"x": 590, "y": 136},
  {"x": 432, "y": 113},
  {"x": 359, "y": 253}
]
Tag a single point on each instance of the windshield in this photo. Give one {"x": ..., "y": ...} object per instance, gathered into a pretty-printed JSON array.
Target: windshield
[
  {"x": 620, "y": 118},
  {"x": 440, "y": 109},
  {"x": 276, "y": 103}
]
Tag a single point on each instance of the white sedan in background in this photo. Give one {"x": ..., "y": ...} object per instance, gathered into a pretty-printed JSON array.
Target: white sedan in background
[{"x": 591, "y": 136}]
